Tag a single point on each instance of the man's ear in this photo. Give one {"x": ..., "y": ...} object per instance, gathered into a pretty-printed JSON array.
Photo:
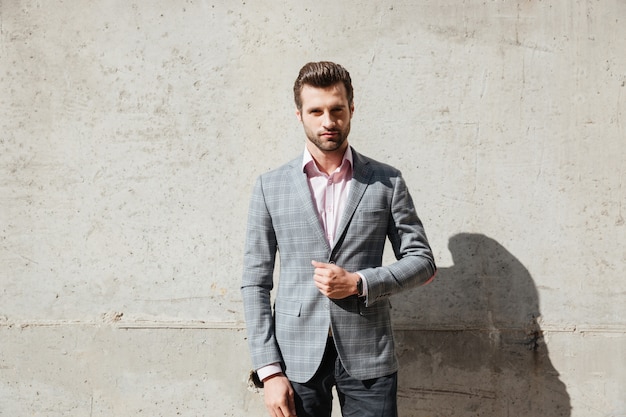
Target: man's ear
[{"x": 298, "y": 114}]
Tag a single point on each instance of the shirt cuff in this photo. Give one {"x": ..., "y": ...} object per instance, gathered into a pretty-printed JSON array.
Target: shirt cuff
[{"x": 269, "y": 370}]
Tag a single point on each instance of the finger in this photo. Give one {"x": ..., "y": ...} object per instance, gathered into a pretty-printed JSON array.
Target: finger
[
  {"x": 322, "y": 275},
  {"x": 292, "y": 404},
  {"x": 274, "y": 408},
  {"x": 273, "y": 413},
  {"x": 277, "y": 411},
  {"x": 286, "y": 411},
  {"x": 321, "y": 265},
  {"x": 322, "y": 286}
]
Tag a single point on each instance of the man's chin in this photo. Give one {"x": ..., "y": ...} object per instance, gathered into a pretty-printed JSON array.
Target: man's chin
[
  {"x": 331, "y": 145},
  {"x": 326, "y": 145}
]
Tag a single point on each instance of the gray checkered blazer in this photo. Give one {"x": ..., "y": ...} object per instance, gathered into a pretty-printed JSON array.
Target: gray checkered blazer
[{"x": 282, "y": 221}]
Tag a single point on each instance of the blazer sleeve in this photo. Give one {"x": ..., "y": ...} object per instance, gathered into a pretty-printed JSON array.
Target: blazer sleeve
[
  {"x": 257, "y": 281},
  {"x": 415, "y": 264}
]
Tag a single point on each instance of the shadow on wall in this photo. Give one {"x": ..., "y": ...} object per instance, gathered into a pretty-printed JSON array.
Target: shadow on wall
[{"x": 469, "y": 343}]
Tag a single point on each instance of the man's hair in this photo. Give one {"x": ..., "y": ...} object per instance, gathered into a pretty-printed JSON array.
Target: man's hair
[{"x": 321, "y": 75}]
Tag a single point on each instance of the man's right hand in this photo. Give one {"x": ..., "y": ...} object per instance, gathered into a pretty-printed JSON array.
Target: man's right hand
[{"x": 279, "y": 396}]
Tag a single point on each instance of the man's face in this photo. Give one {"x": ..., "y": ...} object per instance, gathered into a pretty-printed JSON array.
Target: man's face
[{"x": 325, "y": 116}]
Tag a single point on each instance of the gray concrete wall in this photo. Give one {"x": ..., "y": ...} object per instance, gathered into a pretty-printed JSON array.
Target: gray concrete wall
[{"x": 130, "y": 136}]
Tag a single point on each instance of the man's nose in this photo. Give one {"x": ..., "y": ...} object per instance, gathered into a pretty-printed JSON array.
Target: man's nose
[{"x": 328, "y": 121}]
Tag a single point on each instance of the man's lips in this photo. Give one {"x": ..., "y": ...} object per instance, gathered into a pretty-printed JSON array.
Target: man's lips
[{"x": 330, "y": 134}]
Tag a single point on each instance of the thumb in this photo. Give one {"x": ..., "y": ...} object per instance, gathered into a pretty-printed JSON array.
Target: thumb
[{"x": 317, "y": 264}]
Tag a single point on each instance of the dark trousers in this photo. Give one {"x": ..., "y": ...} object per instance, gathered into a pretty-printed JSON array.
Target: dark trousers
[{"x": 370, "y": 398}]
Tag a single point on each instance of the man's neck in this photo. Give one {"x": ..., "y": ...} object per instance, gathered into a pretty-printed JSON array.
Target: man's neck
[{"x": 329, "y": 161}]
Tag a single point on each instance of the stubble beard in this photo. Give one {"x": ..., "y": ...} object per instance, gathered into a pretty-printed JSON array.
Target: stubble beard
[{"x": 328, "y": 145}]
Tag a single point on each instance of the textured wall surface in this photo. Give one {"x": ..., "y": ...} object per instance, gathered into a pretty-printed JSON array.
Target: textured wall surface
[{"x": 131, "y": 133}]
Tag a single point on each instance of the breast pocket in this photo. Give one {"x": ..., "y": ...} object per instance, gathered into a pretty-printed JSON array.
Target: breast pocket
[{"x": 367, "y": 222}]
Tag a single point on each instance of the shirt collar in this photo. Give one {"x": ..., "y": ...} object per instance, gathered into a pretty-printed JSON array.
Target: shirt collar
[{"x": 307, "y": 159}]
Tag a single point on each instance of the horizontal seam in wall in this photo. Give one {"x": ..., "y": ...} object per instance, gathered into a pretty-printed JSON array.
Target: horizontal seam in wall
[
  {"x": 239, "y": 325},
  {"x": 230, "y": 325}
]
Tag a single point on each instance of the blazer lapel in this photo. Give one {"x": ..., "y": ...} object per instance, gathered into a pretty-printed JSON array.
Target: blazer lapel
[
  {"x": 361, "y": 173},
  {"x": 306, "y": 202}
]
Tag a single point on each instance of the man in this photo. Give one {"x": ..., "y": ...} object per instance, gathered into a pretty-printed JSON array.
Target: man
[{"x": 328, "y": 213}]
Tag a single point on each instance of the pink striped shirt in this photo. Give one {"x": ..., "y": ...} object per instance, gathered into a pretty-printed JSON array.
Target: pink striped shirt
[{"x": 329, "y": 192}]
